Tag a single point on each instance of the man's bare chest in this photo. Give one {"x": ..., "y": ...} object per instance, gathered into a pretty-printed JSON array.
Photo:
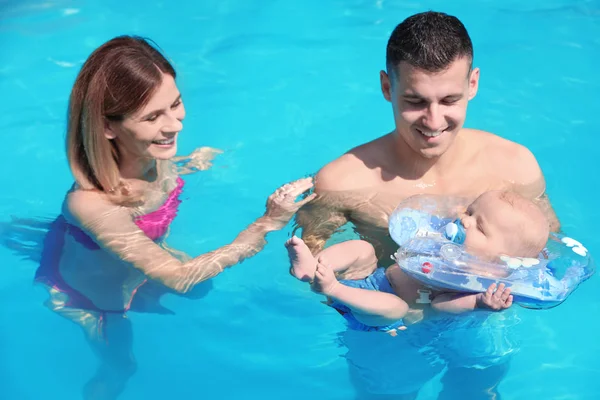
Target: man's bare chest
[{"x": 374, "y": 206}]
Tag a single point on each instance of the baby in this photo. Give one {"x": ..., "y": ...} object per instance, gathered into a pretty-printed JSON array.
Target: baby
[{"x": 497, "y": 222}]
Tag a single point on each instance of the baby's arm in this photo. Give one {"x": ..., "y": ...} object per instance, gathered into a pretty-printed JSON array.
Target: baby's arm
[
  {"x": 379, "y": 308},
  {"x": 454, "y": 303},
  {"x": 459, "y": 302}
]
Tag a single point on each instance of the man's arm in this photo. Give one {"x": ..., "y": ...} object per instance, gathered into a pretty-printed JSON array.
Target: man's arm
[
  {"x": 323, "y": 216},
  {"x": 319, "y": 220},
  {"x": 529, "y": 181},
  {"x": 536, "y": 191},
  {"x": 340, "y": 192},
  {"x": 544, "y": 203}
]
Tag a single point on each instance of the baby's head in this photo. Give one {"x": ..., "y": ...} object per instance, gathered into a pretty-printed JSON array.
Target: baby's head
[{"x": 503, "y": 222}]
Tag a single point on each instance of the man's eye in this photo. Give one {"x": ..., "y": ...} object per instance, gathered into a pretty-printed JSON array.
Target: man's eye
[{"x": 449, "y": 101}]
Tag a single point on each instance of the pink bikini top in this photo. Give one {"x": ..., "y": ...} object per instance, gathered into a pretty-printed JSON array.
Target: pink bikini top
[{"x": 156, "y": 223}]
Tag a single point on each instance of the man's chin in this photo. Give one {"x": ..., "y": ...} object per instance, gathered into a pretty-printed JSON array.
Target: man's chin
[
  {"x": 433, "y": 152},
  {"x": 437, "y": 150}
]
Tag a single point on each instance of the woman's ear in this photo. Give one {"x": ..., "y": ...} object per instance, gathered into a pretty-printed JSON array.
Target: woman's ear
[{"x": 109, "y": 131}]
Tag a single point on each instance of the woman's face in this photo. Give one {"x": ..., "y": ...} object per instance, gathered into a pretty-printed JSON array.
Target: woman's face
[{"x": 151, "y": 132}]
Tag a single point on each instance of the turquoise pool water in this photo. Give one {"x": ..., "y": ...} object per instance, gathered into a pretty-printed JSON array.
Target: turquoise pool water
[{"x": 283, "y": 87}]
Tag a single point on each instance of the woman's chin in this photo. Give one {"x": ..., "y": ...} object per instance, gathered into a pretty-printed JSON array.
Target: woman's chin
[{"x": 163, "y": 152}]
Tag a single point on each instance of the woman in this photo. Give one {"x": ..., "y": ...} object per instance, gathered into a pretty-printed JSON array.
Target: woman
[{"x": 125, "y": 113}]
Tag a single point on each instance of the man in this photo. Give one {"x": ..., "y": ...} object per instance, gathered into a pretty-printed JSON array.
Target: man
[{"x": 429, "y": 80}]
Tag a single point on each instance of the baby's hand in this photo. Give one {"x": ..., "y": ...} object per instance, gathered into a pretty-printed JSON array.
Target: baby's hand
[{"x": 495, "y": 299}]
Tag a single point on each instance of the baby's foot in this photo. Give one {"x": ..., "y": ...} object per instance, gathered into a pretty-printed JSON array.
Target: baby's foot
[
  {"x": 303, "y": 263},
  {"x": 325, "y": 281}
]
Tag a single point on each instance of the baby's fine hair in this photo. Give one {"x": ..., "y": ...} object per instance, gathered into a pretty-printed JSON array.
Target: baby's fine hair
[{"x": 535, "y": 226}]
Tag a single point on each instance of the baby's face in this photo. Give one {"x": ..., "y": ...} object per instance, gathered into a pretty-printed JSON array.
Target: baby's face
[{"x": 491, "y": 226}]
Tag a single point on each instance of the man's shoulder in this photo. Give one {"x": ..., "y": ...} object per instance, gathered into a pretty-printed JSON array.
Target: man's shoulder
[
  {"x": 501, "y": 150},
  {"x": 353, "y": 170},
  {"x": 513, "y": 160}
]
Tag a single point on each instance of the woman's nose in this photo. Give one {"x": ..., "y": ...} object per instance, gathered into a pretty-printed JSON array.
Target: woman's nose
[{"x": 174, "y": 123}]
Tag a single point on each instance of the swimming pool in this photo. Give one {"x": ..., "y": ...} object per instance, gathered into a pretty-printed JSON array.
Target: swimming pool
[{"x": 283, "y": 88}]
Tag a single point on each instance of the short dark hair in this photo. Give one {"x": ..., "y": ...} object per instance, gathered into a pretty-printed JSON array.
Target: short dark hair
[{"x": 430, "y": 41}]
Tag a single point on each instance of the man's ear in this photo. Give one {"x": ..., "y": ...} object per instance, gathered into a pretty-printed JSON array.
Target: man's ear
[
  {"x": 386, "y": 85},
  {"x": 473, "y": 83}
]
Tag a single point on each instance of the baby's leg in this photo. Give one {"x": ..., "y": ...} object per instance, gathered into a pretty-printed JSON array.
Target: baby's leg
[
  {"x": 371, "y": 307},
  {"x": 352, "y": 255},
  {"x": 357, "y": 257},
  {"x": 302, "y": 263}
]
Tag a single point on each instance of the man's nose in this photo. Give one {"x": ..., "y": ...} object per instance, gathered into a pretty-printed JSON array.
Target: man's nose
[{"x": 434, "y": 119}]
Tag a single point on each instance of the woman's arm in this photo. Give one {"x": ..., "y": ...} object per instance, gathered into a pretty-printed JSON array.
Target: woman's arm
[{"x": 113, "y": 229}]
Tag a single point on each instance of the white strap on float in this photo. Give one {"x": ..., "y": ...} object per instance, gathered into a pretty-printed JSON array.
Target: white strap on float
[{"x": 423, "y": 296}]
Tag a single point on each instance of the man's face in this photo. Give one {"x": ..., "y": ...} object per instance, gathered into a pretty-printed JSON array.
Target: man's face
[{"x": 430, "y": 107}]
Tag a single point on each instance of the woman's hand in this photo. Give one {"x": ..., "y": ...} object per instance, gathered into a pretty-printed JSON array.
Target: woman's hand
[
  {"x": 282, "y": 204},
  {"x": 198, "y": 160}
]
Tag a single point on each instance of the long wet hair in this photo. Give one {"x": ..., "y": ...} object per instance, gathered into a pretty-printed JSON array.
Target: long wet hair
[{"x": 117, "y": 79}]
